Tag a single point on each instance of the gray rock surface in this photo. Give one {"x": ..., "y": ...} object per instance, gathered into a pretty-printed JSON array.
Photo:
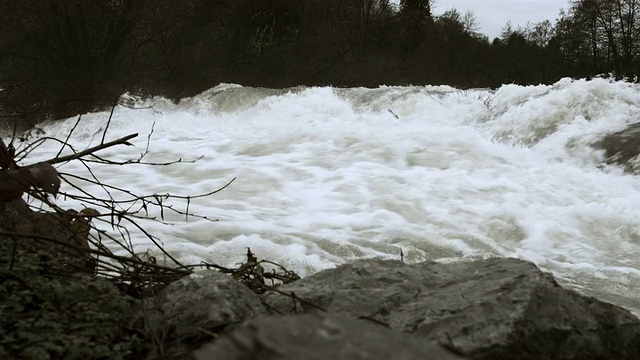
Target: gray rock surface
[
  {"x": 66, "y": 228},
  {"x": 200, "y": 304},
  {"x": 318, "y": 337},
  {"x": 622, "y": 147},
  {"x": 488, "y": 309}
]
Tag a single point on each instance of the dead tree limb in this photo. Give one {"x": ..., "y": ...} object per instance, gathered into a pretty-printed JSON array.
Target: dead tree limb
[{"x": 121, "y": 141}]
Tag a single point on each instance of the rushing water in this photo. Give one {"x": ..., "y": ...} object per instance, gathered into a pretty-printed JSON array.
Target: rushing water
[{"x": 327, "y": 175}]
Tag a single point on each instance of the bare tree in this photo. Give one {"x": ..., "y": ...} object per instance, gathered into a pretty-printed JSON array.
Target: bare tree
[
  {"x": 541, "y": 33},
  {"x": 471, "y": 23},
  {"x": 605, "y": 31}
]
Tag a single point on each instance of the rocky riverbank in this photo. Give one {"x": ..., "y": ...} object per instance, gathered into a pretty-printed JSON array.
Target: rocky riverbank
[
  {"x": 375, "y": 309},
  {"x": 369, "y": 309}
]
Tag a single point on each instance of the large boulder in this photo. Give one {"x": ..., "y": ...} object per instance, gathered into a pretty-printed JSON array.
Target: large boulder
[
  {"x": 318, "y": 337},
  {"x": 62, "y": 237},
  {"x": 622, "y": 147},
  {"x": 489, "y": 309},
  {"x": 192, "y": 309}
]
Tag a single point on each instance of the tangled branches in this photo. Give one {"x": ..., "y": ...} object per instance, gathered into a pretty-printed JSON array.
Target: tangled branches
[
  {"x": 73, "y": 241},
  {"x": 253, "y": 274}
]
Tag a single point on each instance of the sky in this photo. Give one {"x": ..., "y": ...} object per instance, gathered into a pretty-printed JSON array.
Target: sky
[{"x": 492, "y": 15}]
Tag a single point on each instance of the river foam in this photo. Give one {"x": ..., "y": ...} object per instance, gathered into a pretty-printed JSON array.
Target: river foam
[{"x": 326, "y": 175}]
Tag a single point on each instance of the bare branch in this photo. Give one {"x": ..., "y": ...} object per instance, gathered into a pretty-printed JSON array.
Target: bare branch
[{"x": 122, "y": 141}]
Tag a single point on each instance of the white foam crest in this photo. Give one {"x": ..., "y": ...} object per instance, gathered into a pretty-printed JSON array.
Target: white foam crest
[
  {"x": 562, "y": 120},
  {"x": 328, "y": 175}
]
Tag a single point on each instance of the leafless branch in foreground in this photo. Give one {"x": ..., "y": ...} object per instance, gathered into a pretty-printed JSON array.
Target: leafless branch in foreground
[{"x": 121, "y": 210}]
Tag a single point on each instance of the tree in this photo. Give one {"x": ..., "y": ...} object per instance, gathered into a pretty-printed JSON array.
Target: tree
[
  {"x": 78, "y": 54},
  {"x": 605, "y": 31},
  {"x": 418, "y": 6},
  {"x": 415, "y": 18},
  {"x": 541, "y": 33},
  {"x": 471, "y": 24}
]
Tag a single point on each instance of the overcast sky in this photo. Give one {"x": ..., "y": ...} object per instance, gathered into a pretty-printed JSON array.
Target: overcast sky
[{"x": 494, "y": 14}]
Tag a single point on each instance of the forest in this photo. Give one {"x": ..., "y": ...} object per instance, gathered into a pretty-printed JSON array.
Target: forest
[{"x": 60, "y": 58}]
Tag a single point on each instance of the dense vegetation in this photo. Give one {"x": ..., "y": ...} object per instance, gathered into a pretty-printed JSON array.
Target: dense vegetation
[
  {"x": 46, "y": 317},
  {"x": 76, "y": 55}
]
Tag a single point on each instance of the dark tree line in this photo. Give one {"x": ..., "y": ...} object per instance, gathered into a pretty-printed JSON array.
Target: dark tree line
[
  {"x": 601, "y": 36},
  {"x": 61, "y": 57}
]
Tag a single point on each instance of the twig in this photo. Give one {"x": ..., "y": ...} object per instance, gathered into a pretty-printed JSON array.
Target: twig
[
  {"x": 121, "y": 141},
  {"x": 113, "y": 108},
  {"x": 294, "y": 296},
  {"x": 372, "y": 319},
  {"x": 66, "y": 141}
]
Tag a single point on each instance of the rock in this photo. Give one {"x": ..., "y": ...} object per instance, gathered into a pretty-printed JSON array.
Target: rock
[
  {"x": 489, "y": 309},
  {"x": 12, "y": 212},
  {"x": 318, "y": 337},
  {"x": 68, "y": 227},
  {"x": 198, "y": 305},
  {"x": 622, "y": 147}
]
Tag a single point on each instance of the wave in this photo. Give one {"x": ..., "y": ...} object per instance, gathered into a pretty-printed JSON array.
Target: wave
[{"x": 326, "y": 175}]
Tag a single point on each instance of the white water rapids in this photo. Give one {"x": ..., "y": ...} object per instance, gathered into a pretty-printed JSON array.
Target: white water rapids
[{"x": 328, "y": 175}]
